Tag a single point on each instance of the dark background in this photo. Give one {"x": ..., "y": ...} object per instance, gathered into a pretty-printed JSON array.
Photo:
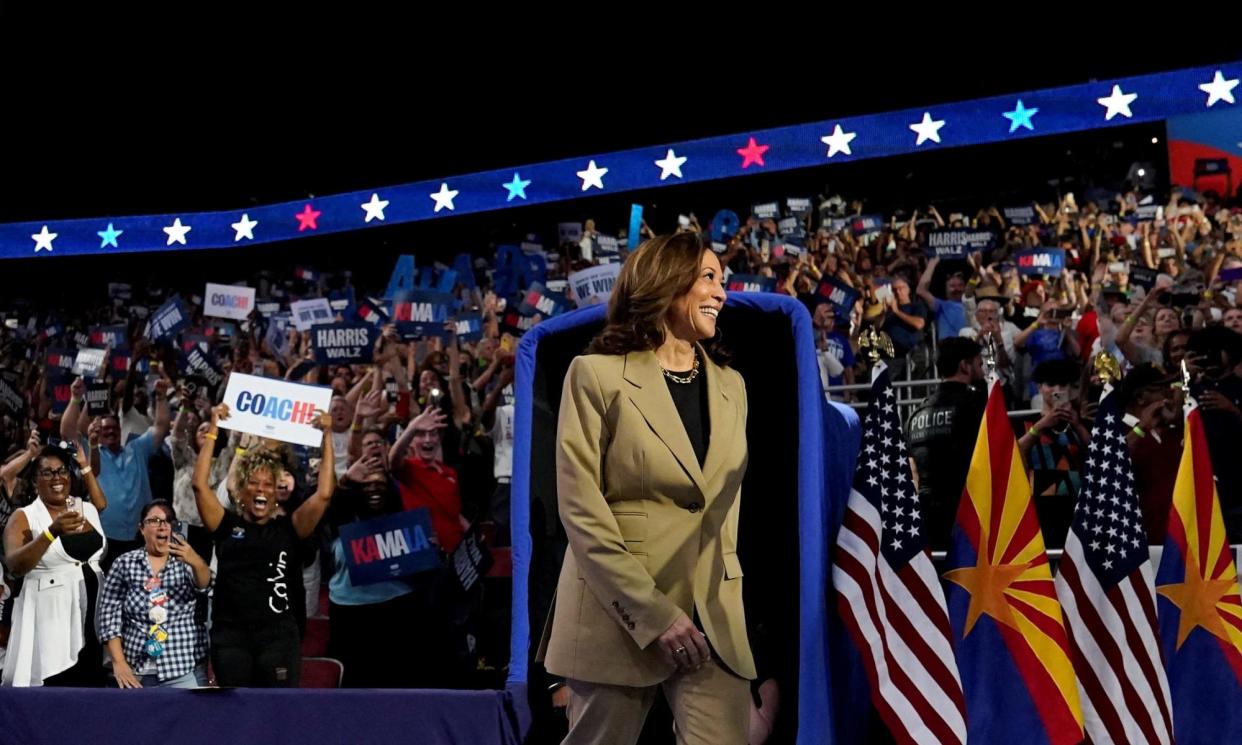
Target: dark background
[{"x": 227, "y": 110}]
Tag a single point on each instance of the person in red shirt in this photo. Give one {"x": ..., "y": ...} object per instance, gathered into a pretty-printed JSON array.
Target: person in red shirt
[{"x": 425, "y": 481}]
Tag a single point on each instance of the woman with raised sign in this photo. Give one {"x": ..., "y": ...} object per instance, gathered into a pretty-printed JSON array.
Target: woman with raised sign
[
  {"x": 651, "y": 454},
  {"x": 254, "y": 635}
]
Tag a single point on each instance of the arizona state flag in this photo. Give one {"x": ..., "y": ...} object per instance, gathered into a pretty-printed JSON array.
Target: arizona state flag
[
  {"x": 1012, "y": 650},
  {"x": 1199, "y": 608}
]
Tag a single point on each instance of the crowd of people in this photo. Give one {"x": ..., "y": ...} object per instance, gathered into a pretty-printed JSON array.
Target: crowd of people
[{"x": 143, "y": 539}]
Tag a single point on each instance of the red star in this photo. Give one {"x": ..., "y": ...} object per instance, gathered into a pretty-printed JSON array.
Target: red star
[
  {"x": 752, "y": 153},
  {"x": 306, "y": 219}
]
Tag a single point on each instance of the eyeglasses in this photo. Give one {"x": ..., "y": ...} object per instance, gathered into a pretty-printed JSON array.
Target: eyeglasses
[
  {"x": 51, "y": 473},
  {"x": 156, "y": 521}
]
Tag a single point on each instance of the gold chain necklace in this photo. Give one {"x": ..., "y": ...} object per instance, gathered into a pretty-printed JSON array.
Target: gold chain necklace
[{"x": 694, "y": 373}]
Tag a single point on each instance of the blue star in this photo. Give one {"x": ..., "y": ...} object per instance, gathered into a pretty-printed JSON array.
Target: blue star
[
  {"x": 109, "y": 236},
  {"x": 1020, "y": 117},
  {"x": 516, "y": 187}
]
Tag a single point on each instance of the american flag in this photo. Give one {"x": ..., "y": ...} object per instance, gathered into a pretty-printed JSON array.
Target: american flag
[
  {"x": 368, "y": 312},
  {"x": 1106, "y": 587},
  {"x": 888, "y": 592}
]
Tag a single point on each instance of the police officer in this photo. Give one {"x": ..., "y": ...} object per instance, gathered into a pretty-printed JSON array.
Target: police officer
[{"x": 942, "y": 432}]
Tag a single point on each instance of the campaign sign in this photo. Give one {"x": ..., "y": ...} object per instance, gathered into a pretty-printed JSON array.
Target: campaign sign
[
  {"x": 957, "y": 244},
  {"x": 766, "y": 210},
  {"x": 469, "y": 326},
  {"x": 58, "y": 383},
  {"x": 1019, "y": 216},
  {"x": 863, "y": 224},
  {"x": 1050, "y": 261},
  {"x": 841, "y": 295},
  {"x": 1141, "y": 276},
  {"x": 62, "y": 360},
  {"x": 275, "y": 408},
  {"x": 344, "y": 343},
  {"x": 389, "y": 547},
  {"x": 422, "y": 312},
  {"x": 89, "y": 362},
  {"x": 11, "y": 399},
  {"x": 750, "y": 283},
  {"x": 97, "y": 398},
  {"x": 109, "y": 336},
  {"x": 594, "y": 284},
  {"x": 196, "y": 361},
  {"x": 539, "y": 299},
  {"x": 307, "y": 313},
  {"x": 228, "y": 301},
  {"x": 169, "y": 319}
]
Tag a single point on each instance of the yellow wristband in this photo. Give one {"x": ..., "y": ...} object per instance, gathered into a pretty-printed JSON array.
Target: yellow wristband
[
  {"x": 48, "y": 535},
  {"x": 211, "y": 436},
  {"x": 355, "y": 428},
  {"x": 239, "y": 451}
]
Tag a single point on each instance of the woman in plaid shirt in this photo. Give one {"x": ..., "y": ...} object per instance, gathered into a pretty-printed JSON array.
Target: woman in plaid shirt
[{"x": 147, "y": 619}]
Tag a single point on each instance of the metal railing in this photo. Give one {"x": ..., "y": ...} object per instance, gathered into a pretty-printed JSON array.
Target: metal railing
[{"x": 928, "y": 384}]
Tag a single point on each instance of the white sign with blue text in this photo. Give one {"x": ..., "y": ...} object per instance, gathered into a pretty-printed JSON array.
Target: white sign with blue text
[{"x": 276, "y": 409}]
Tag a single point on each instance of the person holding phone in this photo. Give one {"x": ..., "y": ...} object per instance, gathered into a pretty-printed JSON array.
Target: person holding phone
[
  {"x": 147, "y": 619},
  {"x": 56, "y": 544},
  {"x": 1050, "y": 337},
  {"x": 1054, "y": 448}
]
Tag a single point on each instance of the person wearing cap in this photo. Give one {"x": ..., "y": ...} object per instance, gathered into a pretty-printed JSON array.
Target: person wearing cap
[
  {"x": 1154, "y": 415},
  {"x": 989, "y": 322},
  {"x": 1054, "y": 448}
]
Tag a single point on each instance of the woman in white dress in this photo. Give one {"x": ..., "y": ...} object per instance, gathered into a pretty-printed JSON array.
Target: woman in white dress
[{"x": 55, "y": 545}]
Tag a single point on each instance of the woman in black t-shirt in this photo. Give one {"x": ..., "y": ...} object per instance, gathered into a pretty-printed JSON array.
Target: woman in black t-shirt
[{"x": 254, "y": 636}]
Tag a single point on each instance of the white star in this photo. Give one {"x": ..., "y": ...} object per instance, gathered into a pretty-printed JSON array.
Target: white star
[
  {"x": 900, "y": 511},
  {"x": 1097, "y": 529},
  {"x": 839, "y": 141},
  {"x": 1111, "y": 548},
  {"x": 928, "y": 129},
  {"x": 869, "y": 449},
  {"x": 1219, "y": 89},
  {"x": 1135, "y": 541},
  {"x": 888, "y": 408},
  {"x": 899, "y": 528},
  {"x": 1108, "y": 418},
  {"x": 896, "y": 543},
  {"x": 873, "y": 464},
  {"x": 669, "y": 166},
  {"x": 887, "y": 442},
  {"x": 592, "y": 176},
  {"x": 1095, "y": 545},
  {"x": 901, "y": 477},
  {"x": 1108, "y": 564},
  {"x": 43, "y": 240},
  {"x": 444, "y": 197},
  {"x": 375, "y": 208},
  {"x": 244, "y": 228},
  {"x": 873, "y": 481},
  {"x": 1112, "y": 532},
  {"x": 885, "y": 425},
  {"x": 1117, "y": 103},
  {"x": 176, "y": 232},
  {"x": 884, "y": 459}
]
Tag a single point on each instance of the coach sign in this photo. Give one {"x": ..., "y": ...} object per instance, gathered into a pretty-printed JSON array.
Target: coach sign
[
  {"x": 275, "y": 408},
  {"x": 228, "y": 301}
]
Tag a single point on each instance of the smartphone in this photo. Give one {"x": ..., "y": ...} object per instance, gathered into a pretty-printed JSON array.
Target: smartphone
[
  {"x": 1061, "y": 313},
  {"x": 883, "y": 293},
  {"x": 1059, "y": 397},
  {"x": 181, "y": 529},
  {"x": 1119, "y": 267},
  {"x": 73, "y": 504}
]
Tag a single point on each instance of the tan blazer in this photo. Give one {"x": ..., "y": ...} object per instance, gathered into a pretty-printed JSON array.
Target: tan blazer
[{"x": 651, "y": 535}]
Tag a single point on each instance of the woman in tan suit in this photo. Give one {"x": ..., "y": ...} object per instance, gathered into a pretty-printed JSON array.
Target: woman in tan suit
[{"x": 651, "y": 454}]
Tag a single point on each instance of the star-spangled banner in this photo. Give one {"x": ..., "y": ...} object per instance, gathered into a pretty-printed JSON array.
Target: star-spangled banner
[{"x": 1025, "y": 114}]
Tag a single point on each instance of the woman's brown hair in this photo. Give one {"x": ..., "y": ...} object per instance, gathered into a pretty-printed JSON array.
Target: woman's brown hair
[{"x": 661, "y": 269}]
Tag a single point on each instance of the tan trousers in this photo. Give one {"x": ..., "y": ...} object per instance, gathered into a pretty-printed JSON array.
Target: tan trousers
[{"x": 711, "y": 706}]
